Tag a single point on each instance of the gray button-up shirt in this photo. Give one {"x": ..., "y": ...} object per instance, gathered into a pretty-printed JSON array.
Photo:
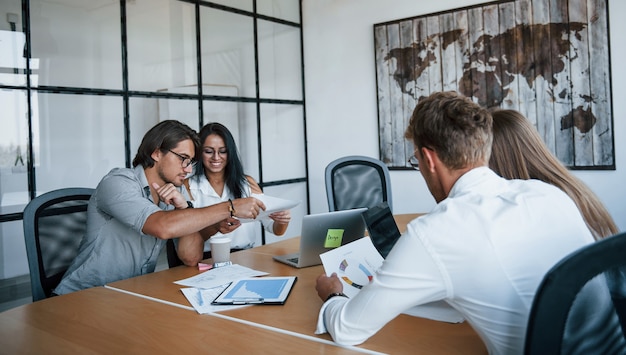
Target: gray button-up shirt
[{"x": 114, "y": 247}]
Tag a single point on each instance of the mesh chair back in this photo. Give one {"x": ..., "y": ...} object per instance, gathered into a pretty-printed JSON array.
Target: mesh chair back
[
  {"x": 355, "y": 182},
  {"x": 578, "y": 307},
  {"x": 54, "y": 224}
]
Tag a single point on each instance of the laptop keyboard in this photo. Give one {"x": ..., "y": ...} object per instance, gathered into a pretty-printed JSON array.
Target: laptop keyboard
[{"x": 294, "y": 260}]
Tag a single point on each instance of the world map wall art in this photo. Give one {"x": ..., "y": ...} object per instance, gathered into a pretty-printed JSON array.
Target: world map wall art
[{"x": 548, "y": 59}]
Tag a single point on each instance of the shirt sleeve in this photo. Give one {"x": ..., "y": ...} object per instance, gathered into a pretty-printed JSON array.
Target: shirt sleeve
[
  {"x": 121, "y": 197},
  {"x": 408, "y": 277}
]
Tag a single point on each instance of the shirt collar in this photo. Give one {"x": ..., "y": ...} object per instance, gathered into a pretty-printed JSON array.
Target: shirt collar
[
  {"x": 476, "y": 179},
  {"x": 141, "y": 176}
]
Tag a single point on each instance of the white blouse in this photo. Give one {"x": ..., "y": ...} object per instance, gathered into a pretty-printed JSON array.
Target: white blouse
[{"x": 204, "y": 195}]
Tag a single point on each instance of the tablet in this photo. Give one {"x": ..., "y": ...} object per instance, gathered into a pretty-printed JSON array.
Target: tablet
[{"x": 257, "y": 290}]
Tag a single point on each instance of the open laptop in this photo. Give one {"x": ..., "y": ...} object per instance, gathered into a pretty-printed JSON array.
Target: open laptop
[
  {"x": 381, "y": 227},
  {"x": 322, "y": 232}
]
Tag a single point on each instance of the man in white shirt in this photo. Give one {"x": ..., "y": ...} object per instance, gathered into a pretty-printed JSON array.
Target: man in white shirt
[{"x": 483, "y": 249}]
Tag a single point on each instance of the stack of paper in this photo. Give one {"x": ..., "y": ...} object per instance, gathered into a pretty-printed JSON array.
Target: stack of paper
[{"x": 205, "y": 287}]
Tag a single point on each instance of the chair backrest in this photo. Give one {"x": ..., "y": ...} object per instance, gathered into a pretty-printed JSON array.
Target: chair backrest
[
  {"x": 578, "y": 307},
  {"x": 54, "y": 225},
  {"x": 357, "y": 181}
]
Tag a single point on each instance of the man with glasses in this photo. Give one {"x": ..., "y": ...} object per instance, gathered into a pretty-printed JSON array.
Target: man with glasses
[
  {"x": 483, "y": 249},
  {"x": 134, "y": 211}
]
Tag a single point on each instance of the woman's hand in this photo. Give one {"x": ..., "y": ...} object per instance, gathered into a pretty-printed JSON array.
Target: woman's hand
[{"x": 228, "y": 225}]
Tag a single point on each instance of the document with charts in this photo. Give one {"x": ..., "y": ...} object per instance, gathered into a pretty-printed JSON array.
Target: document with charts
[{"x": 356, "y": 265}]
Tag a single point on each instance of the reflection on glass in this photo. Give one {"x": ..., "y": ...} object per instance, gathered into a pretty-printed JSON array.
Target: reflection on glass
[
  {"x": 161, "y": 44},
  {"x": 84, "y": 153},
  {"x": 147, "y": 112},
  {"x": 275, "y": 120},
  {"x": 13, "y": 151},
  {"x": 228, "y": 50},
  {"x": 77, "y": 42},
  {"x": 12, "y": 41},
  {"x": 14, "y": 132},
  {"x": 280, "y": 65},
  {"x": 283, "y": 9}
]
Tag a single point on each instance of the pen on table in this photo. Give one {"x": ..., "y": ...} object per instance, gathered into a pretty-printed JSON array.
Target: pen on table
[{"x": 200, "y": 299}]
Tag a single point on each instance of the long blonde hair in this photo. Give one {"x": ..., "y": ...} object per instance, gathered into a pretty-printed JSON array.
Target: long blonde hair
[{"x": 518, "y": 152}]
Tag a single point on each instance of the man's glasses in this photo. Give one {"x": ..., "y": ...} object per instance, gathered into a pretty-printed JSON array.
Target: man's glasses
[
  {"x": 413, "y": 161},
  {"x": 185, "y": 161}
]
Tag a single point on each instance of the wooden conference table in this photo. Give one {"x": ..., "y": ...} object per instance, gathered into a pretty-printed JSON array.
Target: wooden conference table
[{"x": 105, "y": 320}]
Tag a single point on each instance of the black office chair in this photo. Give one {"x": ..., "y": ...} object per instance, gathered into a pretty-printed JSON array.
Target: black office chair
[
  {"x": 54, "y": 225},
  {"x": 357, "y": 181},
  {"x": 578, "y": 306}
]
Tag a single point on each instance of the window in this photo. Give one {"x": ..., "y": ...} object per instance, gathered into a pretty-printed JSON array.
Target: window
[{"x": 82, "y": 81}]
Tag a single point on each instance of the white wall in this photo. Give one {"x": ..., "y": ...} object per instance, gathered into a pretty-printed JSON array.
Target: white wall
[{"x": 341, "y": 96}]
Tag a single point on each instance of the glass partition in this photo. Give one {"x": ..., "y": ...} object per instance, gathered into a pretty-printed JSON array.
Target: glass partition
[
  {"x": 275, "y": 121},
  {"x": 288, "y": 10},
  {"x": 78, "y": 140},
  {"x": 78, "y": 113},
  {"x": 228, "y": 50},
  {"x": 161, "y": 44},
  {"x": 280, "y": 69},
  {"x": 77, "y": 43},
  {"x": 12, "y": 42},
  {"x": 237, "y": 4}
]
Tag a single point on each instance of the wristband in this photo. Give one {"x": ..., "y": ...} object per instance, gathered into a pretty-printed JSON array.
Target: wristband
[
  {"x": 336, "y": 294},
  {"x": 231, "y": 208}
]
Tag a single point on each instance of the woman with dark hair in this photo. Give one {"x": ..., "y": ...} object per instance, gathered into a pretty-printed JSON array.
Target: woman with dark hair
[
  {"x": 133, "y": 212},
  {"x": 518, "y": 152},
  {"x": 219, "y": 177}
]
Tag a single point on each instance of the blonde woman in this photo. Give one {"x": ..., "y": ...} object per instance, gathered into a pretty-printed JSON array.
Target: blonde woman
[{"x": 518, "y": 152}]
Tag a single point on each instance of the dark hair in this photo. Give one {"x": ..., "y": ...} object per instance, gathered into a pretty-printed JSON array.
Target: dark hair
[
  {"x": 164, "y": 136},
  {"x": 458, "y": 129},
  {"x": 233, "y": 174}
]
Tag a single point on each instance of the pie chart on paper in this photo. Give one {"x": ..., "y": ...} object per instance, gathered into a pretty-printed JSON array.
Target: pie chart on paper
[{"x": 355, "y": 274}]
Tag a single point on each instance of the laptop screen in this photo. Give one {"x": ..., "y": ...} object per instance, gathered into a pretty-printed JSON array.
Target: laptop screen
[{"x": 382, "y": 228}]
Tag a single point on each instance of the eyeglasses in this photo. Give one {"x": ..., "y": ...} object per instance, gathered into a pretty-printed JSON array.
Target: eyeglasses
[
  {"x": 185, "y": 161},
  {"x": 210, "y": 152},
  {"x": 413, "y": 161}
]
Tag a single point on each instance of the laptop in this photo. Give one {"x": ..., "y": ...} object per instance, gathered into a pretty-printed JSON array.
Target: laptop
[
  {"x": 381, "y": 227},
  {"x": 322, "y": 232}
]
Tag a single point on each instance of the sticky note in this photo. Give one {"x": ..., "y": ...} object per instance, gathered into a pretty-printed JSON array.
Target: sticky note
[{"x": 333, "y": 238}]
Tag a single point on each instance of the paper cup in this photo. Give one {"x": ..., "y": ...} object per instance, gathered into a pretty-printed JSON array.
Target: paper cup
[{"x": 220, "y": 249}]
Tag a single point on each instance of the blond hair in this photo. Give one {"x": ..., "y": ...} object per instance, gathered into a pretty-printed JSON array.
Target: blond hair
[{"x": 518, "y": 152}]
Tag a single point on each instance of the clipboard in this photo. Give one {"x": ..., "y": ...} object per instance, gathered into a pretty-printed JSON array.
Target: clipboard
[{"x": 257, "y": 290}]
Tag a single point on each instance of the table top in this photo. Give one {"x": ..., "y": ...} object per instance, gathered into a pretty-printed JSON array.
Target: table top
[
  {"x": 299, "y": 314},
  {"x": 100, "y": 320}
]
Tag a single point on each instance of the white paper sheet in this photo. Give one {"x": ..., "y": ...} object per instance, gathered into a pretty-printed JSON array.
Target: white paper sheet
[
  {"x": 356, "y": 264},
  {"x": 201, "y": 299},
  {"x": 272, "y": 204},
  {"x": 219, "y": 276}
]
